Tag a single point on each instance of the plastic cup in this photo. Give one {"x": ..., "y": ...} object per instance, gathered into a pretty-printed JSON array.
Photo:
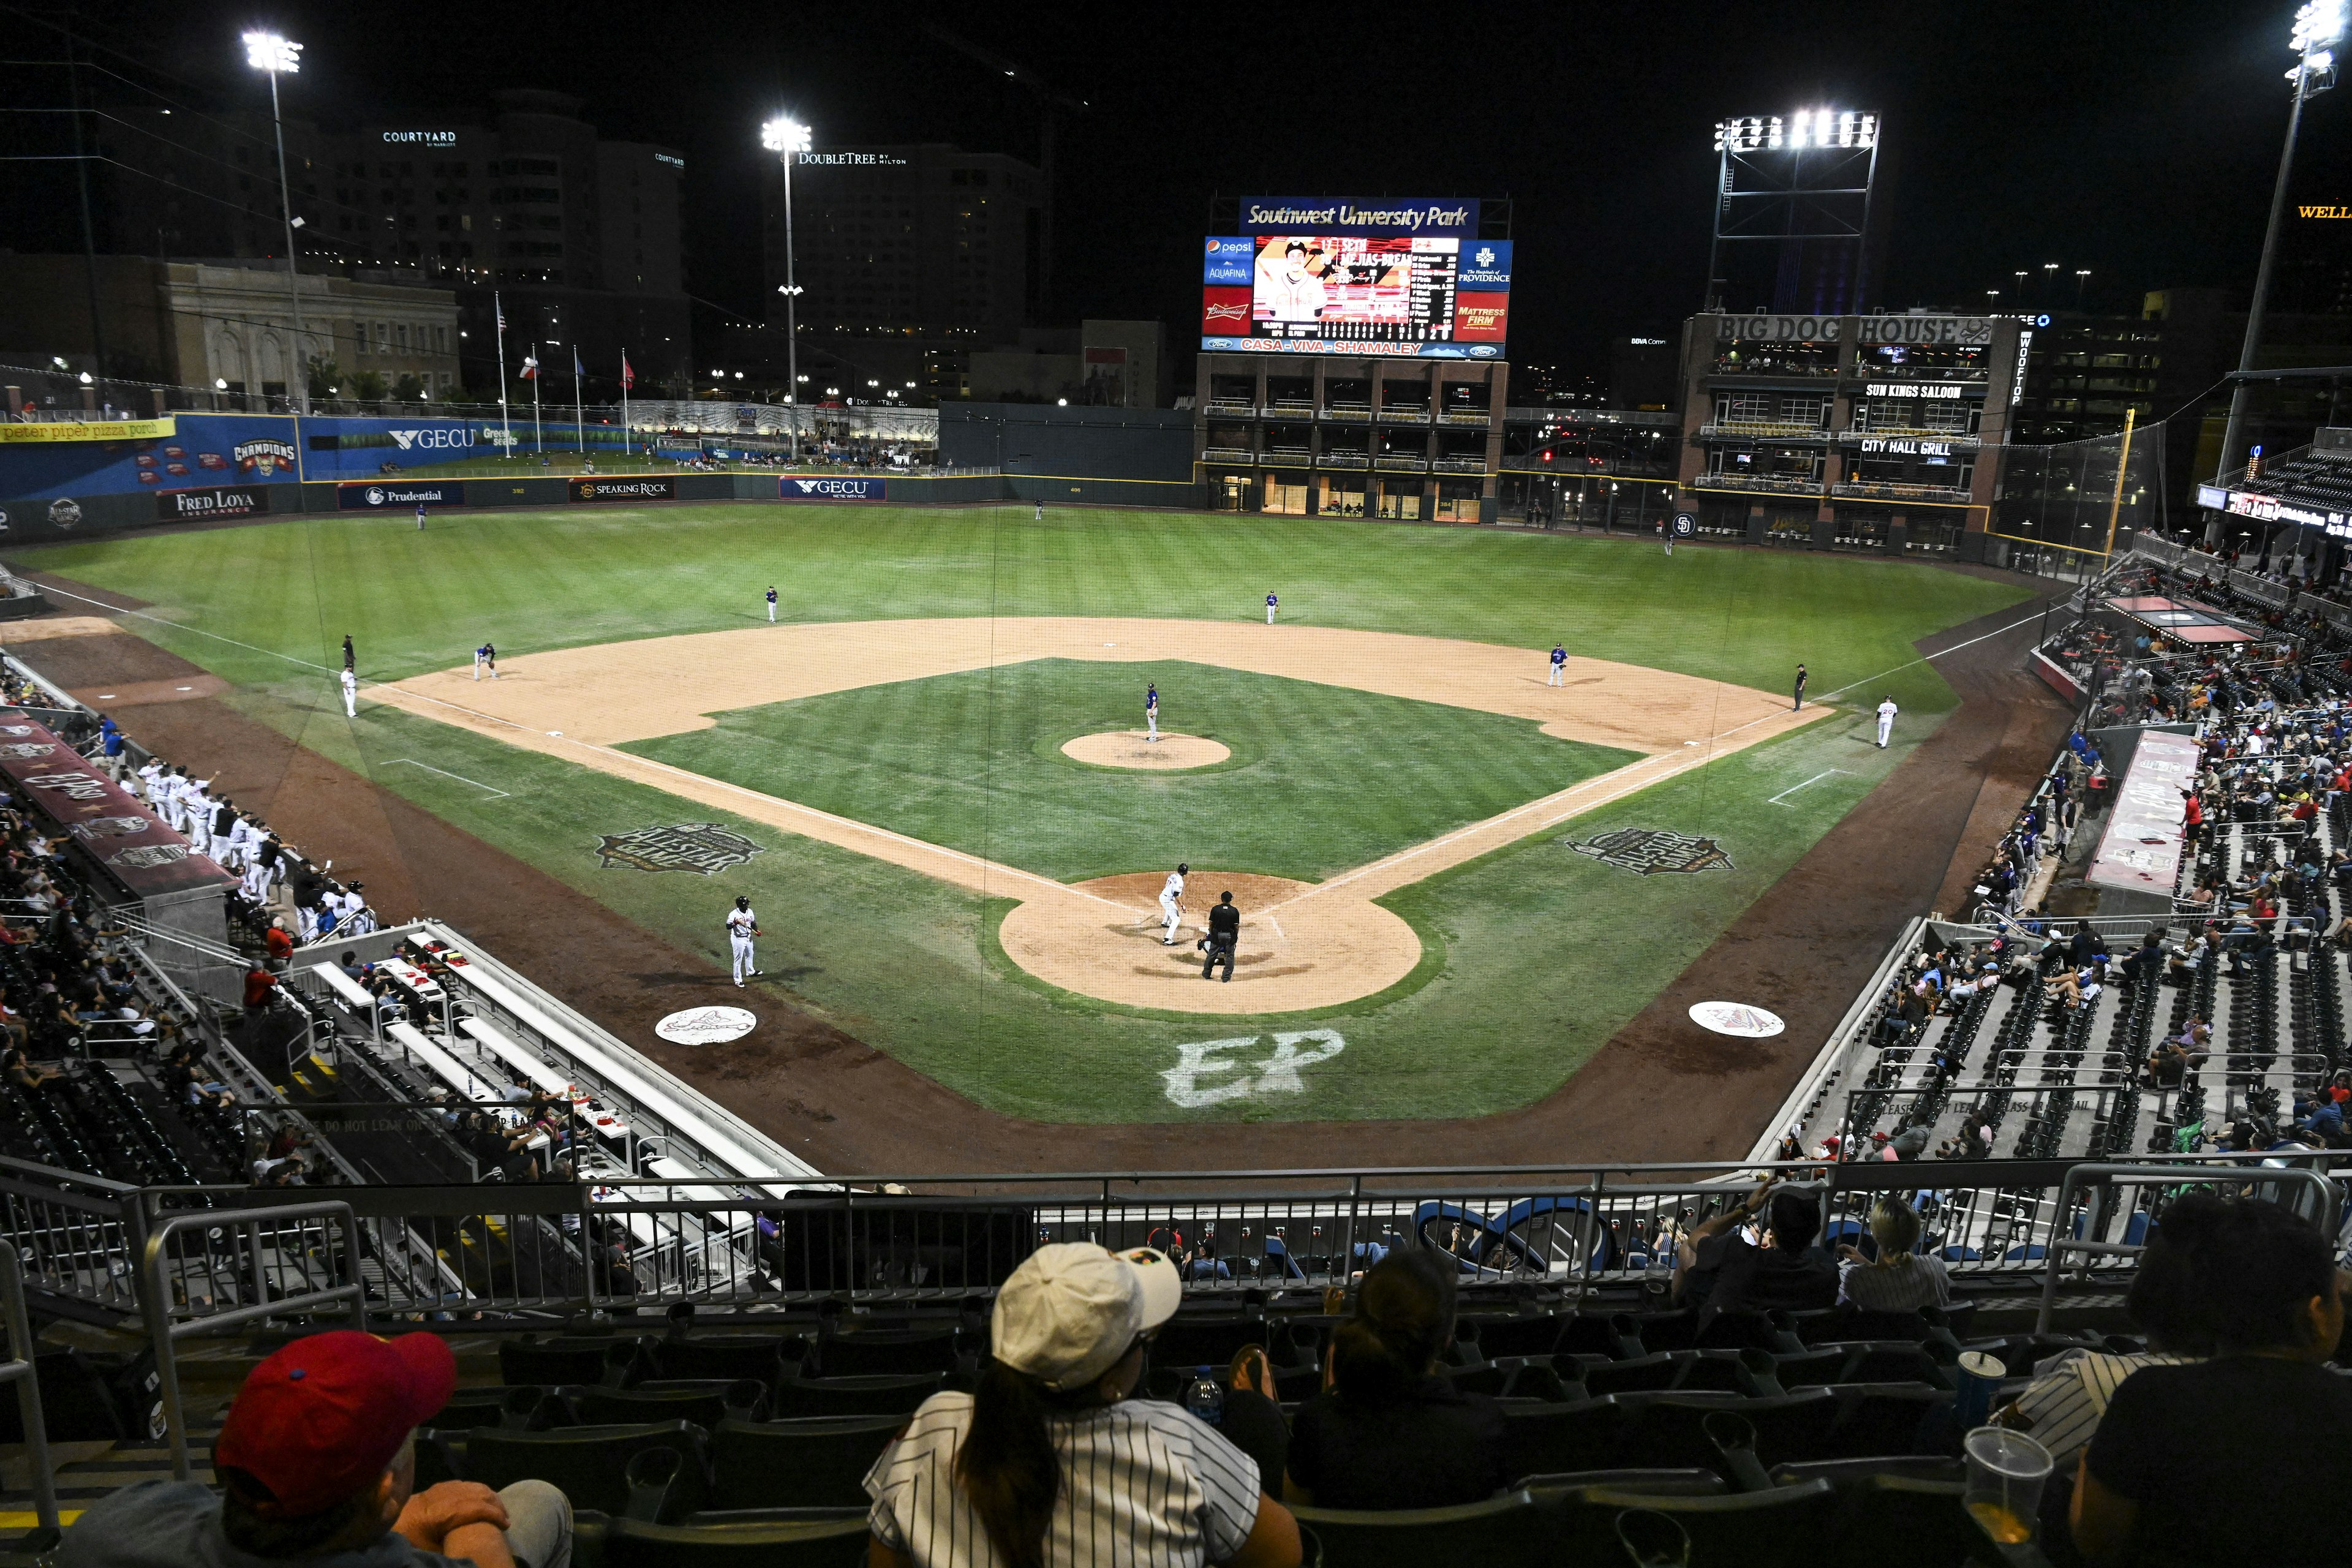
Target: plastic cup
[
  {"x": 1981, "y": 1375},
  {"x": 2007, "y": 1471}
]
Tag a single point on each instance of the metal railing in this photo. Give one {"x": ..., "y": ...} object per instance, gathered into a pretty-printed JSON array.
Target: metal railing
[
  {"x": 21, "y": 1369},
  {"x": 276, "y": 1276},
  {"x": 1762, "y": 430},
  {"x": 1763, "y": 483},
  {"x": 1868, "y": 489},
  {"x": 1344, "y": 460},
  {"x": 1401, "y": 463},
  {"x": 2323, "y": 1210}
]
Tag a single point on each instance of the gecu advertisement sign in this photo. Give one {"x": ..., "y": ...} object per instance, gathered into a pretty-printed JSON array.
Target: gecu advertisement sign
[{"x": 798, "y": 486}]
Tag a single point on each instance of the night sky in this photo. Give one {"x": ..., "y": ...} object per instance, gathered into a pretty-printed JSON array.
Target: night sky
[{"x": 2137, "y": 141}]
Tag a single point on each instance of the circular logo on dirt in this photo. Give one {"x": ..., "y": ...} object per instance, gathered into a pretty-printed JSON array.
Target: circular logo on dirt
[
  {"x": 707, "y": 1025},
  {"x": 1736, "y": 1018}
]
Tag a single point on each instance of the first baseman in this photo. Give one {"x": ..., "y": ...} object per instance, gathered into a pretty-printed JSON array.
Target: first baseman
[
  {"x": 1558, "y": 665},
  {"x": 1887, "y": 712},
  {"x": 1151, "y": 712},
  {"x": 1272, "y": 603},
  {"x": 1172, "y": 904},
  {"x": 742, "y": 925},
  {"x": 350, "y": 695}
]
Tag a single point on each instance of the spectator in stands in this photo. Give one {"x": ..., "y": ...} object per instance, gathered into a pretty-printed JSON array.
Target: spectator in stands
[
  {"x": 280, "y": 946},
  {"x": 1719, "y": 1267},
  {"x": 1388, "y": 1431},
  {"x": 1253, "y": 1420},
  {"x": 22, "y": 1074},
  {"x": 1900, "y": 1278},
  {"x": 2189, "y": 1457},
  {"x": 1052, "y": 1461},
  {"x": 316, "y": 1462},
  {"x": 259, "y": 984}
]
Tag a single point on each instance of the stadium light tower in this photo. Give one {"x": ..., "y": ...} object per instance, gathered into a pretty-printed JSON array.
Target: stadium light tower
[
  {"x": 275, "y": 56},
  {"x": 2318, "y": 28},
  {"x": 786, "y": 137}
]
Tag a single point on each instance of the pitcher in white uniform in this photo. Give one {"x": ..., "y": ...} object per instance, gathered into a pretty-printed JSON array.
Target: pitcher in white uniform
[{"x": 1885, "y": 721}]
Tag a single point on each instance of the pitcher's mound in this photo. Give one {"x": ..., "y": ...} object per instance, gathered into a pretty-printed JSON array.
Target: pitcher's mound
[{"x": 1128, "y": 749}]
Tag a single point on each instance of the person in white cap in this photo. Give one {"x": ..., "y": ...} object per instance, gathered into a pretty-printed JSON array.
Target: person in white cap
[{"x": 1052, "y": 1464}]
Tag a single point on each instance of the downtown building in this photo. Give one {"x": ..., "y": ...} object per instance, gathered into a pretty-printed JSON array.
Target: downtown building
[{"x": 580, "y": 236}]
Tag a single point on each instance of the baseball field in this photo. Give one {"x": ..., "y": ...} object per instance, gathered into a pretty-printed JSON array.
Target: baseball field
[{"x": 1459, "y": 881}]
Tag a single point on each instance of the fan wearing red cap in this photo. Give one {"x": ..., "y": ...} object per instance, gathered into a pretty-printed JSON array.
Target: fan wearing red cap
[{"x": 318, "y": 1463}]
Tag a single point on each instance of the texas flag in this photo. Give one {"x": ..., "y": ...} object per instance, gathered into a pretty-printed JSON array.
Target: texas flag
[
  {"x": 577, "y": 370},
  {"x": 628, "y": 377},
  {"x": 531, "y": 367}
]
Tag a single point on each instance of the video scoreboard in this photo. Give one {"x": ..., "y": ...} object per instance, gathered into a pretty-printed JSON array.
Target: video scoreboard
[{"x": 1355, "y": 280}]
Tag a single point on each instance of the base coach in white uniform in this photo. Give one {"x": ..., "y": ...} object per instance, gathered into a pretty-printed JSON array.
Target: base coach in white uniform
[{"x": 742, "y": 925}]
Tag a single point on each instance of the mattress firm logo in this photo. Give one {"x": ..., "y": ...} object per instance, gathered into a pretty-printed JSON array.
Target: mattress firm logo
[
  {"x": 705, "y": 848},
  {"x": 1646, "y": 851}
]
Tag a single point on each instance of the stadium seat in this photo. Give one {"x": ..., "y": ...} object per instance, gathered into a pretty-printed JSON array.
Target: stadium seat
[
  {"x": 600, "y": 1540},
  {"x": 588, "y": 1464},
  {"x": 796, "y": 1464},
  {"x": 1782, "y": 1528},
  {"x": 517, "y": 1409},
  {"x": 706, "y": 1403},
  {"x": 796, "y": 1398},
  {"x": 729, "y": 1357},
  {"x": 885, "y": 1353},
  {"x": 1187, "y": 1342},
  {"x": 1532, "y": 1336},
  {"x": 1876, "y": 1419},
  {"x": 1649, "y": 1371},
  {"x": 1926, "y": 1516},
  {"x": 1553, "y": 1440},
  {"x": 569, "y": 1360},
  {"x": 1504, "y": 1532},
  {"x": 1669, "y": 1430},
  {"x": 1673, "y": 1483}
]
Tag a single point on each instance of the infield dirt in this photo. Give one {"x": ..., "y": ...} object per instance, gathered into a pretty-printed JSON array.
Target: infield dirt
[{"x": 1327, "y": 944}]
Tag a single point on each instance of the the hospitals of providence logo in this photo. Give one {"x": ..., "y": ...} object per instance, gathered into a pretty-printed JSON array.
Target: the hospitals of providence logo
[
  {"x": 1650, "y": 850},
  {"x": 704, "y": 849}
]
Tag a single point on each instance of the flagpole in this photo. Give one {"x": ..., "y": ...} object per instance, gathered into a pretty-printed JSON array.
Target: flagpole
[
  {"x": 506, "y": 426},
  {"x": 579, "y": 415},
  {"x": 539, "y": 373},
  {"x": 626, "y": 449}
]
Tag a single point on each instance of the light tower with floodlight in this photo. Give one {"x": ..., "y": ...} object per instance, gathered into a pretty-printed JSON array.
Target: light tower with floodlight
[
  {"x": 2318, "y": 28},
  {"x": 786, "y": 137},
  {"x": 275, "y": 56},
  {"x": 1795, "y": 189}
]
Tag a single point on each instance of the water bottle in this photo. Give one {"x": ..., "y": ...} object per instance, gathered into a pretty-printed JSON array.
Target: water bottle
[{"x": 1204, "y": 1398}]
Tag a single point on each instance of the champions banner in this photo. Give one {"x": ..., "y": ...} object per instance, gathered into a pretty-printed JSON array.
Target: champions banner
[{"x": 104, "y": 818}]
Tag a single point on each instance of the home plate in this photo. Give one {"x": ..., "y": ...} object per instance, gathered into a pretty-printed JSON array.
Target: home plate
[{"x": 1736, "y": 1018}]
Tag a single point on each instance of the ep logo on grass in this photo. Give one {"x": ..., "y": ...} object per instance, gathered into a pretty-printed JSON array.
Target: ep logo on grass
[{"x": 1276, "y": 1074}]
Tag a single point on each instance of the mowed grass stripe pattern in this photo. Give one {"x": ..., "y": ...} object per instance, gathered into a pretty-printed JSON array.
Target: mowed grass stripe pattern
[
  {"x": 535, "y": 580},
  {"x": 1322, "y": 777}
]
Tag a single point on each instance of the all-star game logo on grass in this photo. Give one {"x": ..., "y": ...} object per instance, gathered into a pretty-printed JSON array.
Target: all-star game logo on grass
[
  {"x": 1646, "y": 851},
  {"x": 704, "y": 849}
]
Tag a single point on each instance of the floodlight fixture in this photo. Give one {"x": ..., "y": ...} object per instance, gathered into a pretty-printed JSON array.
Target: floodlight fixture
[
  {"x": 784, "y": 134},
  {"x": 1845, "y": 129},
  {"x": 269, "y": 52}
]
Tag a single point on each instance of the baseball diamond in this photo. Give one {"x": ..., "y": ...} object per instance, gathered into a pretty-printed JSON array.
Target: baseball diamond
[{"x": 914, "y": 775}]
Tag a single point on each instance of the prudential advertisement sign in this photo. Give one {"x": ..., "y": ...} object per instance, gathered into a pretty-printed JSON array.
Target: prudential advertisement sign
[{"x": 803, "y": 487}]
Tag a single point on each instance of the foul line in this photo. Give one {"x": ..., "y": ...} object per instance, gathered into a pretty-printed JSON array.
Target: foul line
[
  {"x": 446, "y": 774},
  {"x": 1939, "y": 653},
  {"x": 1794, "y": 788}
]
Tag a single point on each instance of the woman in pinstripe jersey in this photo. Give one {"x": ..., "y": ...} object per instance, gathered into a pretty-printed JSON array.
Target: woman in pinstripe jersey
[{"x": 1052, "y": 1463}]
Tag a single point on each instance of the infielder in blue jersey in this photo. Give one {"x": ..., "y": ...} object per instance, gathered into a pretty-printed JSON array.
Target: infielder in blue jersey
[
  {"x": 1558, "y": 665},
  {"x": 1151, "y": 712},
  {"x": 1271, "y": 605},
  {"x": 772, "y": 607}
]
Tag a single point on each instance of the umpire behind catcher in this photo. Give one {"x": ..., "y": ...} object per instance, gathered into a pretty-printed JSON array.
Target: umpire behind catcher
[{"x": 1224, "y": 931}]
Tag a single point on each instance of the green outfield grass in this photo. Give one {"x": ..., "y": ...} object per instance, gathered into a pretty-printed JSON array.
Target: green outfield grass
[
  {"x": 1539, "y": 953},
  {"x": 1321, "y": 777}
]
